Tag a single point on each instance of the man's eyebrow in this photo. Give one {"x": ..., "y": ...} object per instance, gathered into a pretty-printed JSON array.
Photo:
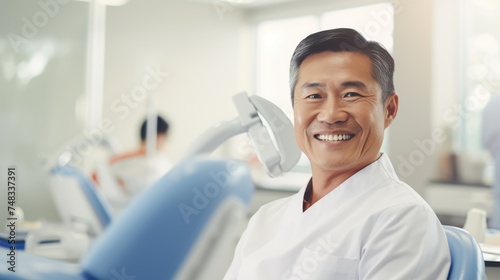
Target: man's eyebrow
[
  {"x": 356, "y": 84},
  {"x": 312, "y": 85},
  {"x": 347, "y": 84}
]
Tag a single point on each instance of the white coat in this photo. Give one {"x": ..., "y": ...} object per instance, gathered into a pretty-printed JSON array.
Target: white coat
[
  {"x": 372, "y": 226},
  {"x": 139, "y": 172}
]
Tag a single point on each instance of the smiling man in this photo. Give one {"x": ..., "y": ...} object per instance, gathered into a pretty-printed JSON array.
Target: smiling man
[
  {"x": 340, "y": 117},
  {"x": 355, "y": 219}
]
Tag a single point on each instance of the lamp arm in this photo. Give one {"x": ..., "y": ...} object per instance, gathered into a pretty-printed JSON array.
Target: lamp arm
[{"x": 213, "y": 137}]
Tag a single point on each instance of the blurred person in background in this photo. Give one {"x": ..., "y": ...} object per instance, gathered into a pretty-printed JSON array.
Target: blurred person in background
[
  {"x": 137, "y": 169},
  {"x": 491, "y": 141}
]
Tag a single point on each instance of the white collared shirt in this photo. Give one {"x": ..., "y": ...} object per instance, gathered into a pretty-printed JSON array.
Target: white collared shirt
[{"x": 372, "y": 226}]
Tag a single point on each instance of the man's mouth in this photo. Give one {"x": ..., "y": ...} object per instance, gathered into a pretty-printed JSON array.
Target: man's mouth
[{"x": 333, "y": 137}]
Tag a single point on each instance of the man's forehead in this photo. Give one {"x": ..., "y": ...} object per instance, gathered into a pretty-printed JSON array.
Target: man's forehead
[{"x": 342, "y": 62}]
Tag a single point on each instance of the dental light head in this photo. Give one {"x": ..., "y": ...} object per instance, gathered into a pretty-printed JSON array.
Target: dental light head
[{"x": 268, "y": 128}]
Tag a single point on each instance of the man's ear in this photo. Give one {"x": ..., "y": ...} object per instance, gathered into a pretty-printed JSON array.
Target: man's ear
[{"x": 391, "y": 108}]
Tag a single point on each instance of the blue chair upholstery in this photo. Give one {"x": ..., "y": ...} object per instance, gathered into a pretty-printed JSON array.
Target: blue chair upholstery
[
  {"x": 159, "y": 233},
  {"x": 466, "y": 256}
]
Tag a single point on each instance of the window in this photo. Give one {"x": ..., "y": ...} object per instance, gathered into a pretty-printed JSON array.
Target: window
[
  {"x": 275, "y": 46},
  {"x": 479, "y": 69},
  {"x": 277, "y": 39}
]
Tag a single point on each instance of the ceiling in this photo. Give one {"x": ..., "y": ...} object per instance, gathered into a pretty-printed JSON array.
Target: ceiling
[{"x": 244, "y": 3}]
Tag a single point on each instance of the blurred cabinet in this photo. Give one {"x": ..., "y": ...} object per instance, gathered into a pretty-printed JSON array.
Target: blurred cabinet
[{"x": 455, "y": 199}]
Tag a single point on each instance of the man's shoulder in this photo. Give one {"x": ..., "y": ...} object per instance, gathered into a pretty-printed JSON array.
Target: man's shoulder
[{"x": 275, "y": 208}]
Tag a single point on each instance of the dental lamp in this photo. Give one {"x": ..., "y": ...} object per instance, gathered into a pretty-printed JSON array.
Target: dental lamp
[{"x": 277, "y": 151}]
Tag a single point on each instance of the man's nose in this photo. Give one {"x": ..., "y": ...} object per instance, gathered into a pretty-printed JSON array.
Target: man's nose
[{"x": 332, "y": 111}]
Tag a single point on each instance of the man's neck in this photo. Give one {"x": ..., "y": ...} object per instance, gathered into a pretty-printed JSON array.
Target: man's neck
[{"x": 325, "y": 181}]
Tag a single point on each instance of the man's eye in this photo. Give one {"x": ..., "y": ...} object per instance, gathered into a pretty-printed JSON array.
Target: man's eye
[
  {"x": 352, "y": 94},
  {"x": 313, "y": 96}
]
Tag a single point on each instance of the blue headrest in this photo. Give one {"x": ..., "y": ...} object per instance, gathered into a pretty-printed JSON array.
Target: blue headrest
[
  {"x": 466, "y": 256},
  {"x": 153, "y": 236}
]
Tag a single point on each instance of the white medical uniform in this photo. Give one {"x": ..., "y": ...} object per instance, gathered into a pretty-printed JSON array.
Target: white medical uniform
[
  {"x": 372, "y": 226},
  {"x": 138, "y": 173}
]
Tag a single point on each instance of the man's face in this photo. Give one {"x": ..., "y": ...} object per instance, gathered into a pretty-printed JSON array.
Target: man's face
[{"x": 338, "y": 111}]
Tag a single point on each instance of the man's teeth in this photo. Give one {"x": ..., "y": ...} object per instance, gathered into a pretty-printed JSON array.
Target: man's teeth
[{"x": 336, "y": 137}]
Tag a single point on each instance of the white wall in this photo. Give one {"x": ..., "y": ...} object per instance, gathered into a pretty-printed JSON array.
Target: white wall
[
  {"x": 41, "y": 79},
  {"x": 197, "y": 49},
  {"x": 413, "y": 80}
]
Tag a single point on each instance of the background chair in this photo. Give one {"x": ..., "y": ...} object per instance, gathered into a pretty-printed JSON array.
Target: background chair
[
  {"x": 80, "y": 205},
  {"x": 185, "y": 226},
  {"x": 466, "y": 256}
]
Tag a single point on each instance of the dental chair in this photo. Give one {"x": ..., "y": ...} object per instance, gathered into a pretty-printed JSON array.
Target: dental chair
[
  {"x": 84, "y": 211},
  {"x": 466, "y": 256},
  {"x": 79, "y": 203},
  {"x": 190, "y": 220},
  {"x": 166, "y": 233}
]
